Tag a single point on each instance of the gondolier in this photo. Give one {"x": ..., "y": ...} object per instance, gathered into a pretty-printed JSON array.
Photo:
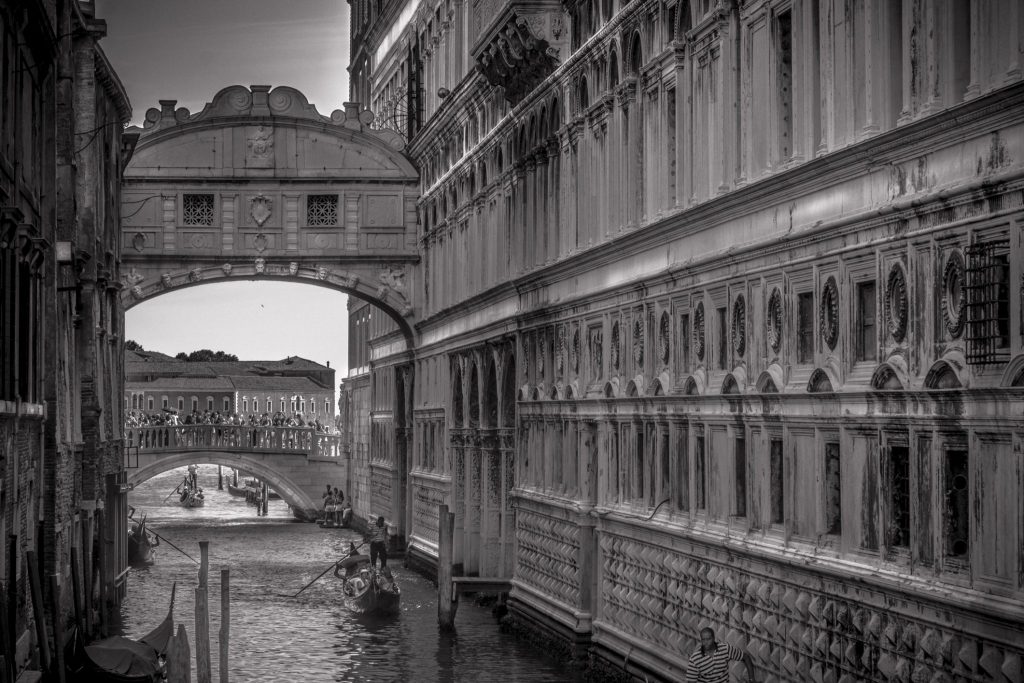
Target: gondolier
[{"x": 378, "y": 538}]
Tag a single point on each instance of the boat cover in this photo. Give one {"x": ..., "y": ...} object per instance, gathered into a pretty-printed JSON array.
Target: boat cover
[{"x": 123, "y": 656}]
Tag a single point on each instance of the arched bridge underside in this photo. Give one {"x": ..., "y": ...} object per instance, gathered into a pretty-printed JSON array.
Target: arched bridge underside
[
  {"x": 295, "y": 462},
  {"x": 259, "y": 185}
]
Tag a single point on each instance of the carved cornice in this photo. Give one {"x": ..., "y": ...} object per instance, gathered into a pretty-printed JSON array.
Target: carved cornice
[{"x": 516, "y": 58}]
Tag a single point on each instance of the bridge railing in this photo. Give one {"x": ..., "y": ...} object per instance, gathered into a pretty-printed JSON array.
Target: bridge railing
[{"x": 242, "y": 438}]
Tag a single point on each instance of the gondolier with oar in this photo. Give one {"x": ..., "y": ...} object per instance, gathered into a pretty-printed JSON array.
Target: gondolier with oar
[
  {"x": 378, "y": 538},
  {"x": 709, "y": 663}
]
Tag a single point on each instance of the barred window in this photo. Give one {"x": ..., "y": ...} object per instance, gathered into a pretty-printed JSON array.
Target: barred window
[
  {"x": 322, "y": 210},
  {"x": 988, "y": 302},
  {"x": 833, "y": 490},
  {"x": 197, "y": 209}
]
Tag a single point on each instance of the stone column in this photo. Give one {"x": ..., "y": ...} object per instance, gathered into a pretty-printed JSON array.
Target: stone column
[
  {"x": 458, "y": 473},
  {"x": 473, "y": 461}
]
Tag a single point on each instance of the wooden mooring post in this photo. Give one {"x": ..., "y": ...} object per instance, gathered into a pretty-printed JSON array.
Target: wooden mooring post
[
  {"x": 446, "y": 600},
  {"x": 203, "y": 616},
  {"x": 225, "y": 622}
]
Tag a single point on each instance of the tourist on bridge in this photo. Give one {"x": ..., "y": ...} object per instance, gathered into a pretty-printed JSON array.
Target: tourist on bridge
[
  {"x": 709, "y": 663},
  {"x": 378, "y": 538}
]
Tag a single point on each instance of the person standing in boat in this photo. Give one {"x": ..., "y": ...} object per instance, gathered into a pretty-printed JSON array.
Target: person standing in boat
[{"x": 378, "y": 538}]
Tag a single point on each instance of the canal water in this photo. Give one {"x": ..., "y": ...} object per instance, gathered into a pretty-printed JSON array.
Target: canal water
[{"x": 311, "y": 638}]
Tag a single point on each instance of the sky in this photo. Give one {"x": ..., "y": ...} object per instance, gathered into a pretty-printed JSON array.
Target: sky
[{"x": 188, "y": 50}]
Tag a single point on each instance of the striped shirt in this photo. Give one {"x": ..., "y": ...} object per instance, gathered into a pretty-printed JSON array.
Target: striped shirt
[
  {"x": 378, "y": 534},
  {"x": 712, "y": 667}
]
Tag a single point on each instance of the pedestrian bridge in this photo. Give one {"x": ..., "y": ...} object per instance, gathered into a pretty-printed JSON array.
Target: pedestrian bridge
[{"x": 295, "y": 461}]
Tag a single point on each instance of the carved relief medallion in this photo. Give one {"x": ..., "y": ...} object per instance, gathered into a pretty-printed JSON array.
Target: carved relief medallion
[
  {"x": 953, "y": 294},
  {"x": 829, "y": 313},
  {"x": 260, "y": 148},
  {"x": 774, "y": 320},
  {"x": 139, "y": 242},
  {"x": 739, "y": 326},
  {"x": 896, "y": 303},
  {"x": 698, "y": 331}
]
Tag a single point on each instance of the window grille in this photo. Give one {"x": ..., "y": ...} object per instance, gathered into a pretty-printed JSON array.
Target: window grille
[
  {"x": 322, "y": 210},
  {"x": 197, "y": 209},
  {"x": 988, "y": 302}
]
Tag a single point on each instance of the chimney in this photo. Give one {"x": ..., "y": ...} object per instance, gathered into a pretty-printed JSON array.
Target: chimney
[{"x": 328, "y": 363}]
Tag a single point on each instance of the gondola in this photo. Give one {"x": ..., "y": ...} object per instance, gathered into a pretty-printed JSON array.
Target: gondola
[
  {"x": 239, "y": 491},
  {"x": 367, "y": 590},
  {"x": 141, "y": 543},
  {"x": 122, "y": 660},
  {"x": 192, "y": 496}
]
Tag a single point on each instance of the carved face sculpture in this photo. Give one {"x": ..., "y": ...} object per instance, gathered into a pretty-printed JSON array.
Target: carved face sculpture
[
  {"x": 166, "y": 279},
  {"x": 227, "y": 269},
  {"x": 261, "y": 264},
  {"x": 321, "y": 273},
  {"x": 293, "y": 268}
]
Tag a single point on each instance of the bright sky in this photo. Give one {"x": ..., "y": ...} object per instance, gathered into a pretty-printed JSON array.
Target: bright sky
[{"x": 187, "y": 50}]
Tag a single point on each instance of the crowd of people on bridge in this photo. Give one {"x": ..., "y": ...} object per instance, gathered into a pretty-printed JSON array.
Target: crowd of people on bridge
[{"x": 139, "y": 418}]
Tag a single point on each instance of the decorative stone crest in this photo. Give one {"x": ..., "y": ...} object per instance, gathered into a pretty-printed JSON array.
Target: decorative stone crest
[
  {"x": 739, "y": 326},
  {"x": 698, "y": 331},
  {"x": 614, "y": 350},
  {"x": 261, "y": 208},
  {"x": 139, "y": 242},
  {"x": 638, "y": 343},
  {"x": 260, "y": 242},
  {"x": 829, "y": 313},
  {"x": 165, "y": 280},
  {"x": 227, "y": 268},
  {"x": 896, "y": 302},
  {"x": 261, "y": 266},
  {"x": 195, "y": 275},
  {"x": 953, "y": 294},
  {"x": 774, "y": 320}
]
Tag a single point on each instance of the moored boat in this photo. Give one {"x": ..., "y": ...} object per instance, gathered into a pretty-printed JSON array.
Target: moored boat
[
  {"x": 368, "y": 590},
  {"x": 142, "y": 543}
]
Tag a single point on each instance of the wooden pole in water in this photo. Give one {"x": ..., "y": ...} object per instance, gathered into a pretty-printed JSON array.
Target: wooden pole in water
[
  {"x": 203, "y": 616},
  {"x": 220, "y": 479},
  {"x": 225, "y": 622},
  {"x": 446, "y": 606},
  {"x": 36, "y": 587},
  {"x": 58, "y": 629},
  {"x": 266, "y": 498}
]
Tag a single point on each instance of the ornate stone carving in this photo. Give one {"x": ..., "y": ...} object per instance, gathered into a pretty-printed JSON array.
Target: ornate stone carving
[
  {"x": 614, "y": 350},
  {"x": 638, "y": 343},
  {"x": 261, "y": 266},
  {"x": 739, "y": 326},
  {"x": 542, "y": 349},
  {"x": 829, "y": 313},
  {"x": 574, "y": 351},
  {"x": 896, "y": 302},
  {"x": 195, "y": 275},
  {"x": 260, "y": 145},
  {"x": 560, "y": 352},
  {"x": 132, "y": 280},
  {"x": 953, "y": 294},
  {"x": 698, "y": 331},
  {"x": 526, "y": 355},
  {"x": 165, "y": 280},
  {"x": 393, "y": 277},
  {"x": 664, "y": 333},
  {"x": 260, "y": 242},
  {"x": 596, "y": 342},
  {"x": 139, "y": 242},
  {"x": 321, "y": 273},
  {"x": 293, "y": 268},
  {"x": 261, "y": 208},
  {"x": 774, "y": 320},
  {"x": 227, "y": 268}
]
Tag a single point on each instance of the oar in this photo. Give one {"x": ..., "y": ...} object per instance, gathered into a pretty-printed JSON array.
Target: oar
[
  {"x": 173, "y": 546},
  {"x": 174, "y": 491},
  {"x": 333, "y": 565}
]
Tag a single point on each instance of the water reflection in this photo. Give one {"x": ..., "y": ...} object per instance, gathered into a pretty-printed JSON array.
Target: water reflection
[{"x": 311, "y": 637}]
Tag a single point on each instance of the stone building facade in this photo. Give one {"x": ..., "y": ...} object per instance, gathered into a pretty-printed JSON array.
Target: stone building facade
[
  {"x": 61, "y": 155},
  {"x": 720, "y": 322}
]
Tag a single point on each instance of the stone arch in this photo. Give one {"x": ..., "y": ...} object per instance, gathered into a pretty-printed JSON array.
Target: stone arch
[
  {"x": 949, "y": 373},
  {"x": 887, "y": 377},
  {"x": 554, "y": 394},
  {"x": 583, "y": 95},
  {"x": 555, "y": 114},
  {"x": 771, "y": 380},
  {"x": 473, "y": 396},
  {"x": 1013, "y": 375},
  {"x": 509, "y": 394},
  {"x": 821, "y": 382},
  {"x": 695, "y": 384},
  {"x": 613, "y": 68},
  {"x": 291, "y": 492},
  {"x": 684, "y": 19},
  {"x": 636, "y": 54},
  {"x": 490, "y": 395},
  {"x": 632, "y": 390}
]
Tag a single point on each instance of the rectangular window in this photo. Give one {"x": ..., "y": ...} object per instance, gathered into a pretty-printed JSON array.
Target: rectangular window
[
  {"x": 149, "y": 403},
  {"x": 866, "y": 341},
  {"x": 197, "y": 209},
  {"x": 741, "y": 477},
  {"x": 784, "y": 36},
  {"x": 195, "y": 405},
  {"x": 270, "y": 405},
  {"x": 956, "y": 505},
  {"x": 988, "y": 302},
  {"x": 209, "y": 403},
  {"x": 322, "y": 210},
  {"x": 327, "y": 407},
  {"x": 699, "y": 474},
  {"x": 245, "y": 405},
  {"x": 899, "y": 497},
  {"x": 683, "y": 475},
  {"x": 163, "y": 402},
  {"x": 227, "y": 404},
  {"x": 833, "y": 490},
  {"x": 723, "y": 339},
  {"x": 805, "y": 327},
  {"x": 777, "y": 473},
  {"x": 181, "y": 404}
]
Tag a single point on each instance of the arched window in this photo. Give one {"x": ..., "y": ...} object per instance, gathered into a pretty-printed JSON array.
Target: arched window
[
  {"x": 227, "y": 404},
  {"x": 181, "y": 403},
  {"x": 584, "y": 95},
  {"x": 270, "y": 405},
  {"x": 636, "y": 56},
  {"x": 209, "y": 402},
  {"x": 164, "y": 402},
  {"x": 149, "y": 403},
  {"x": 245, "y": 405},
  {"x": 613, "y": 70}
]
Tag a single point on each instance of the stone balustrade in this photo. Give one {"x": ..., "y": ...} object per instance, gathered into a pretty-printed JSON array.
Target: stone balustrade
[{"x": 238, "y": 438}]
